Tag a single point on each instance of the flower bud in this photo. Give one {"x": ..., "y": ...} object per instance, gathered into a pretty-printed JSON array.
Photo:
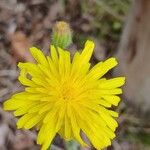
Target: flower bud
[{"x": 62, "y": 35}]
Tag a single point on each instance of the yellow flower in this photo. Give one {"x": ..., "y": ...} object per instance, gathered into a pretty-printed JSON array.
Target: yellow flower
[{"x": 66, "y": 96}]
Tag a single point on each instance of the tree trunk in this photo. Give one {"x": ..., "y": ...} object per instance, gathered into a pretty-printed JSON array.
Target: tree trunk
[{"x": 134, "y": 56}]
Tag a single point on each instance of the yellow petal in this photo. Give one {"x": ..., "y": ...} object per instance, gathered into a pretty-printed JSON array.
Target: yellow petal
[
  {"x": 26, "y": 81},
  {"x": 67, "y": 130},
  {"x": 54, "y": 54},
  {"x": 87, "y": 52},
  {"x": 46, "y": 134},
  {"x": 75, "y": 127},
  {"x": 13, "y": 104},
  {"x": 110, "y": 92},
  {"x": 38, "y": 56},
  {"x": 102, "y": 68},
  {"x": 33, "y": 121},
  {"x": 112, "y": 83},
  {"x": 112, "y": 99},
  {"x": 30, "y": 68},
  {"x": 22, "y": 121},
  {"x": 61, "y": 62}
]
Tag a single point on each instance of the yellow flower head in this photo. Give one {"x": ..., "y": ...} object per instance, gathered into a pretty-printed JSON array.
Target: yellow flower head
[{"x": 66, "y": 96}]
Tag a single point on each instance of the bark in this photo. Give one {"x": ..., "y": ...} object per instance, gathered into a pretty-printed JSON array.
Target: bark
[{"x": 134, "y": 56}]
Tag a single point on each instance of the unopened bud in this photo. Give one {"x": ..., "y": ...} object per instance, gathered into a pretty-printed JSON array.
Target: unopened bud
[{"x": 62, "y": 35}]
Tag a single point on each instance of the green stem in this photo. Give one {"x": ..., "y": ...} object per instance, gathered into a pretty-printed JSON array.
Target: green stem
[{"x": 71, "y": 145}]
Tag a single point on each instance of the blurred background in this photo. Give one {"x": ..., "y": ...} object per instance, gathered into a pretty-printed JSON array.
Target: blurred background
[{"x": 120, "y": 28}]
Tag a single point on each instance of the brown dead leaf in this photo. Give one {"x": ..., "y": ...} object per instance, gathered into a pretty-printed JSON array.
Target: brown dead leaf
[{"x": 20, "y": 47}]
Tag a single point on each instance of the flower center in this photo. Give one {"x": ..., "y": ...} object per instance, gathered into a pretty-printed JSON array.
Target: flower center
[{"x": 67, "y": 92}]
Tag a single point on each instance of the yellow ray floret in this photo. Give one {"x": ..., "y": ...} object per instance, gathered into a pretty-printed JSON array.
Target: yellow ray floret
[{"x": 65, "y": 96}]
